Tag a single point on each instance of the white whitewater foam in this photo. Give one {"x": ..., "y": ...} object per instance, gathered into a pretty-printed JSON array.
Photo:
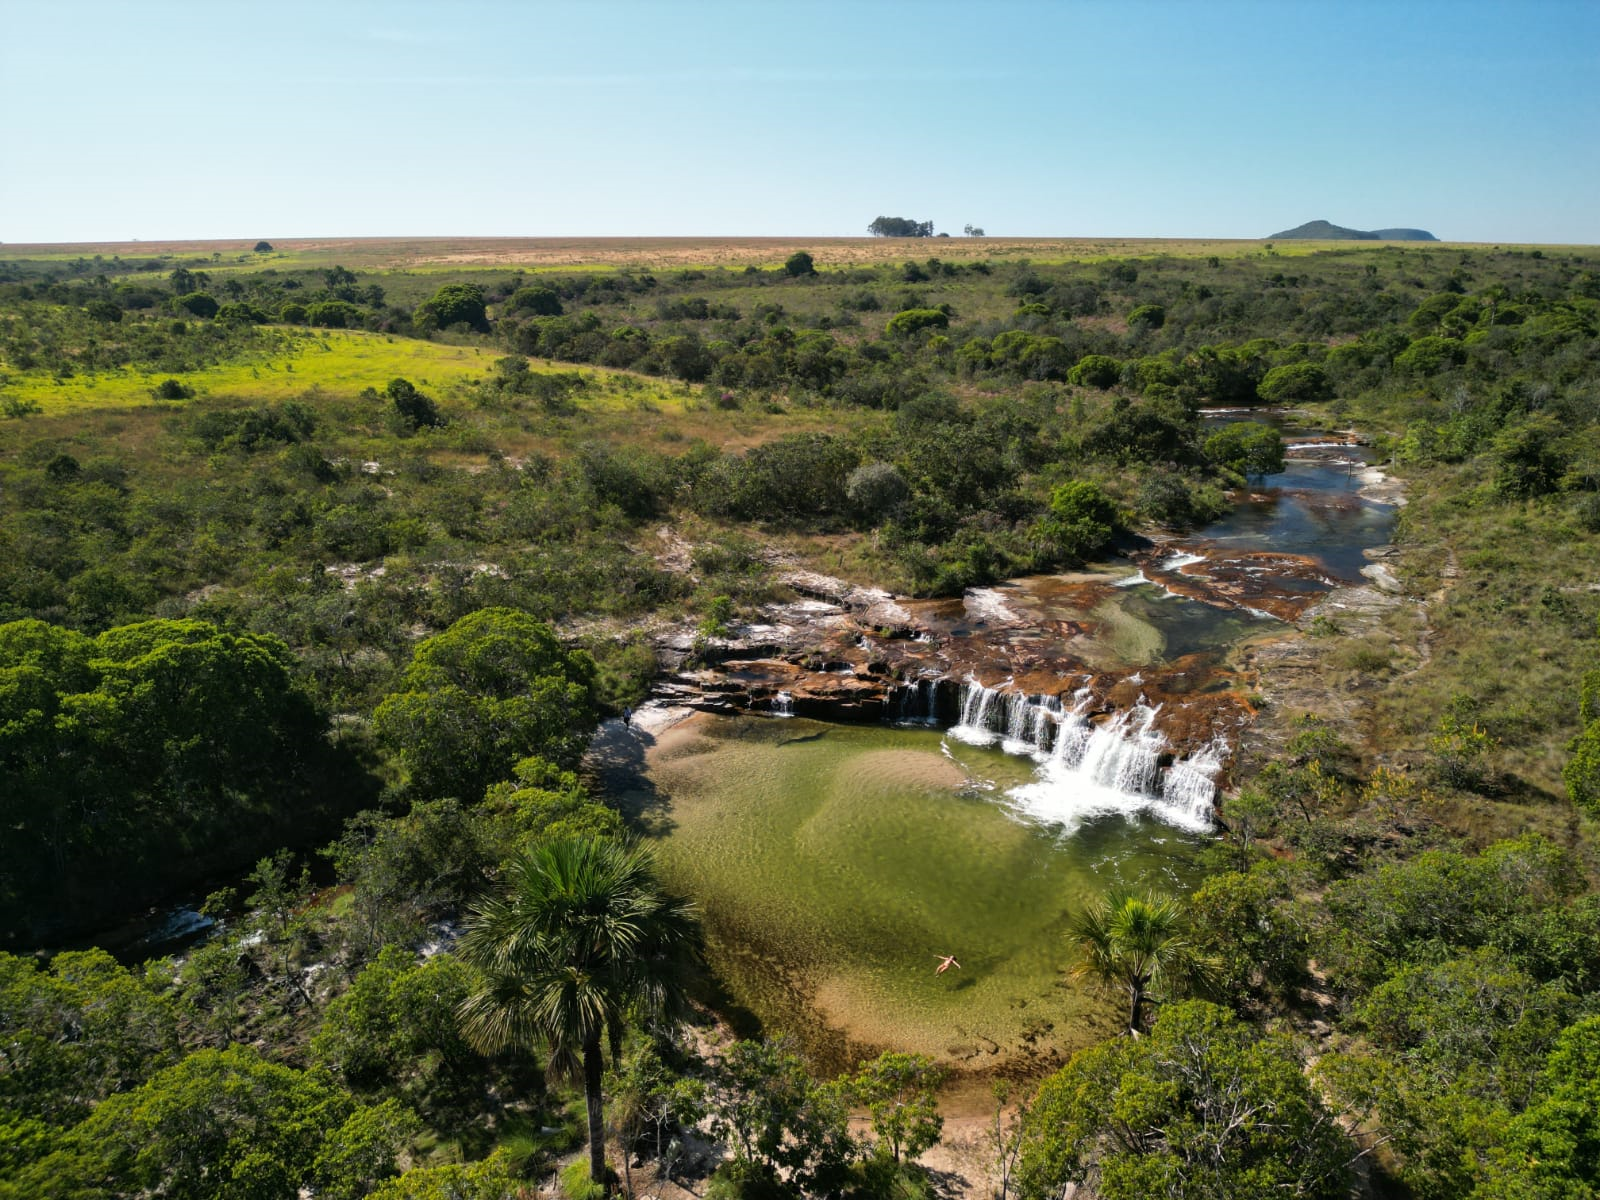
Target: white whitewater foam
[
  {"x": 1087, "y": 770},
  {"x": 986, "y": 604},
  {"x": 1115, "y": 771}
]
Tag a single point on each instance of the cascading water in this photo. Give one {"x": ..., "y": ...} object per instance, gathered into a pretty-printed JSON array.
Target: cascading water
[
  {"x": 976, "y": 703},
  {"x": 1086, "y": 769},
  {"x": 917, "y": 703},
  {"x": 1191, "y": 783},
  {"x": 783, "y": 705}
]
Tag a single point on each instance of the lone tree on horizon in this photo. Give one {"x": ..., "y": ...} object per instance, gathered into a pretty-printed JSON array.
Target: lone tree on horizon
[{"x": 899, "y": 227}]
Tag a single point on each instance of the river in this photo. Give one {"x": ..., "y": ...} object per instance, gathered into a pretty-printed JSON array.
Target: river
[{"x": 1067, "y": 736}]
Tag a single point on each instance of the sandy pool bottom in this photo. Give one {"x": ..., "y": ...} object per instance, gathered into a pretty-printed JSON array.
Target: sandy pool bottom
[{"x": 835, "y": 865}]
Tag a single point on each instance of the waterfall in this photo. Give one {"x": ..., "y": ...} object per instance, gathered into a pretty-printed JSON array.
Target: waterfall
[
  {"x": 977, "y": 703},
  {"x": 1045, "y": 717},
  {"x": 783, "y": 705},
  {"x": 916, "y": 703},
  {"x": 1088, "y": 769},
  {"x": 1191, "y": 782}
]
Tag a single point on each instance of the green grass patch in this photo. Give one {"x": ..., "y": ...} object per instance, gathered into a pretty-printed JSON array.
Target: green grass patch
[
  {"x": 577, "y": 1185},
  {"x": 337, "y": 361},
  {"x": 334, "y": 362}
]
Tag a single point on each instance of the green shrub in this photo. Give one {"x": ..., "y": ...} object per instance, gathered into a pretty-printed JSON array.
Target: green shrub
[
  {"x": 1582, "y": 772},
  {"x": 1428, "y": 355},
  {"x": 1589, "y": 697},
  {"x": 540, "y": 301},
  {"x": 243, "y": 314},
  {"x": 1147, "y": 316},
  {"x": 740, "y": 1179},
  {"x": 14, "y": 407},
  {"x": 1096, "y": 371},
  {"x": 1526, "y": 461},
  {"x": 1082, "y": 519},
  {"x": 1135, "y": 1117},
  {"x": 1167, "y": 498},
  {"x": 915, "y": 320},
  {"x": 198, "y": 303},
  {"x": 333, "y": 314},
  {"x": 453, "y": 304},
  {"x": 1297, "y": 383},
  {"x": 1248, "y": 447},
  {"x": 1460, "y": 748},
  {"x": 171, "y": 389},
  {"x": 876, "y": 490},
  {"x": 1254, "y": 938},
  {"x": 413, "y": 409}
]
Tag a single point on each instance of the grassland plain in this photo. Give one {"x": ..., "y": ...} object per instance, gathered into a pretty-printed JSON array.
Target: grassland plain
[
  {"x": 802, "y": 346},
  {"x": 599, "y": 254}
]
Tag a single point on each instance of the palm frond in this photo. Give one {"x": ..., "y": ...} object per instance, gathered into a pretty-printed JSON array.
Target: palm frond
[{"x": 581, "y": 936}]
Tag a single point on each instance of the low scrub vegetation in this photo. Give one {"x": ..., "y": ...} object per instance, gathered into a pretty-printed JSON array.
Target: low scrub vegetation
[{"x": 320, "y": 580}]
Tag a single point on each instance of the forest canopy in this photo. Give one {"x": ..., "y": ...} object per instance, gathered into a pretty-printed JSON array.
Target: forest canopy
[{"x": 316, "y": 581}]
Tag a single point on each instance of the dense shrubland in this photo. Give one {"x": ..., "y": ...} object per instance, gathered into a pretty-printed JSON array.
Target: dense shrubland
[{"x": 349, "y": 623}]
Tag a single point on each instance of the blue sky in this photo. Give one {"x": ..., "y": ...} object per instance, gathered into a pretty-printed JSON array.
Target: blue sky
[{"x": 237, "y": 118}]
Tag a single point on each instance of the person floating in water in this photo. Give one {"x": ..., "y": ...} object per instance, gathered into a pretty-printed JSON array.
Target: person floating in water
[{"x": 946, "y": 961}]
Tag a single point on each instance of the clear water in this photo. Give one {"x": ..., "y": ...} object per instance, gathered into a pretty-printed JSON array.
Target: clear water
[
  {"x": 1311, "y": 508},
  {"x": 835, "y": 865}
]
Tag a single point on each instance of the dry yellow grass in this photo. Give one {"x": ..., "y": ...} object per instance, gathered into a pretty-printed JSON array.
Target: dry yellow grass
[{"x": 656, "y": 253}]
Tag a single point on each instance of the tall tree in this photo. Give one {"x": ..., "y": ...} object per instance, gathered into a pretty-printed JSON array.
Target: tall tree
[
  {"x": 900, "y": 1092},
  {"x": 494, "y": 688},
  {"x": 1135, "y": 943},
  {"x": 1205, "y": 1108},
  {"x": 582, "y": 937}
]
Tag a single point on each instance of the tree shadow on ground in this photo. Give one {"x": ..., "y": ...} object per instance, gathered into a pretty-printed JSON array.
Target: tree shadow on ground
[{"x": 615, "y": 769}]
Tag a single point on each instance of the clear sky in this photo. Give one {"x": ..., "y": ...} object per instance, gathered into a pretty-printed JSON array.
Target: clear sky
[{"x": 167, "y": 119}]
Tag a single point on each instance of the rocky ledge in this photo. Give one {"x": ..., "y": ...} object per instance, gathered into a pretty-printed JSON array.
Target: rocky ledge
[{"x": 840, "y": 652}]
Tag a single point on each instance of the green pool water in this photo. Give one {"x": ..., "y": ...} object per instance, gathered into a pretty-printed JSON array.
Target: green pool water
[{"x": 834, "y": 865}]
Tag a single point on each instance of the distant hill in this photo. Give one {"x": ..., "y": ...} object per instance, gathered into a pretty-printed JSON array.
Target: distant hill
[{"x": 1327, "y": 231}]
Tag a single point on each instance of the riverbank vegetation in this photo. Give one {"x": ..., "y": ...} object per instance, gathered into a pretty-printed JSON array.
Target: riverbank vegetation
[{"x": 350, "y": 563}]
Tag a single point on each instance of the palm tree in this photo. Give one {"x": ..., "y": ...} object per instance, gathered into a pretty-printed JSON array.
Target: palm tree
[
  {"x": 581, "y": 937},
  {"x": 1135, "y": 942}
]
